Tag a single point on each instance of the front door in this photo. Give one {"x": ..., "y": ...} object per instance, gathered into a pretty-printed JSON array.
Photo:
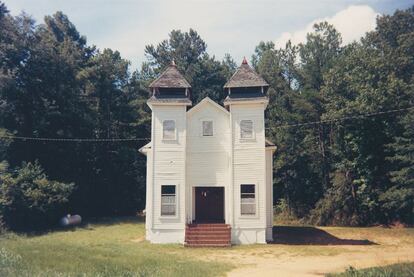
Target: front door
[{"x": 209, "y": 204}]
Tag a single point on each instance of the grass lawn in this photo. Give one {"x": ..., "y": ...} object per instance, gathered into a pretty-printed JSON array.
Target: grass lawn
[
  {"x": 116, "y": 247},
  {"x": 105, "y": 248},
  {"x": 396, "y": 270}
]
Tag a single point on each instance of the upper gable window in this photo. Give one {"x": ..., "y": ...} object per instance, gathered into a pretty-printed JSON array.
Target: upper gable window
[
  {"x": 246, "y": 129},
  {"x": 207, "y": 128},
  {"x": 168, "y": 129}
]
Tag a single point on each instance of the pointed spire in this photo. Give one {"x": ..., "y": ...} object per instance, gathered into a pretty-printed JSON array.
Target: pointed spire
[
  {"x": 170, "y": 78},
  {"x": 245, "y": 77}
]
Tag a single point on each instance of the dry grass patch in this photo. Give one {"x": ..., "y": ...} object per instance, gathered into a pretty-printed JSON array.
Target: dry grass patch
[{"x": 103, "y": 248}]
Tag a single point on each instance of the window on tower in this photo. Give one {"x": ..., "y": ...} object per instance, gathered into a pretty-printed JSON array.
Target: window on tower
[
  {"x": 246, "y": 129},
  {"x": 168, "y": 130},
  {"x": 247, "y": 199},
  {"x": 168, "y": 200}
]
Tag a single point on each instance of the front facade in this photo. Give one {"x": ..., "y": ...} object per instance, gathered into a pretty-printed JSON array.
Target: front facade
[{"x": 209, "y": 164}]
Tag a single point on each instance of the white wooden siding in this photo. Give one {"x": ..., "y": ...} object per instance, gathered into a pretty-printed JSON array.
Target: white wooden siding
[
  {"x": 169, "y": 164},
  {"x": 269, "y": 194},
  {"x": 223, "y": 159},
  {"x": 249, "y": 163},
  {"x": 208, "y": 157}
]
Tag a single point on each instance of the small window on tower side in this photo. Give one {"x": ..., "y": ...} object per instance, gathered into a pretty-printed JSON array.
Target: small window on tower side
[
  {"x": 246, "y": 129},
  {"x": 207, "y": 128},
  {"x": 168, "y": 130}
]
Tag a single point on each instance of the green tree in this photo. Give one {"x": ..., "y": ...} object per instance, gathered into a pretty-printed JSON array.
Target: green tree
[
  {"x": 206, "y": 75},
  {"x": 115, "y": 167},
  {"x": 29, "y": 200},
  {"x": 367, "y": 78},
  {"x": 57, "y": 86},
  {"x": 302, "y": 165}
]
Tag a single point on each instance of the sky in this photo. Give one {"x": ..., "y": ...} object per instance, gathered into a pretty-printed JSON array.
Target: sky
[{"x": 227, "y": 26}]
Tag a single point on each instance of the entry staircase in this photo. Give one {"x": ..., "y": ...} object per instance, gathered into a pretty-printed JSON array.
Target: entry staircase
[{"x": 208, "y": 235}]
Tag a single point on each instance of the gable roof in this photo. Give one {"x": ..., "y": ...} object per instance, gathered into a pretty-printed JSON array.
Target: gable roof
[
  {"x": 268, "y": 142},
  {"x": 270, "y": 146},
  {"x": 170, "y": 78},
  {"x": 144, "y": 149},
  {"x": 203, "y": 102},
  {"x": 245, "y": 76}
]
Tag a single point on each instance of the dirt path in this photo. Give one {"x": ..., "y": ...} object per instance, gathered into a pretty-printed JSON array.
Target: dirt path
[
  {"x": 310, "y": 251},
  {"x": 292, "y": 265}
]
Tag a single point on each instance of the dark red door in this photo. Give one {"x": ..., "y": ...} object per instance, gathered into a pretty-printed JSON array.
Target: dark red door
[{"x": 209, "y": 204}]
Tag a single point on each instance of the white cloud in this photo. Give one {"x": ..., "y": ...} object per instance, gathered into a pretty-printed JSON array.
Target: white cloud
[
  {"x": 227, "y": 26},
  {"x": 352, "y": 22}
]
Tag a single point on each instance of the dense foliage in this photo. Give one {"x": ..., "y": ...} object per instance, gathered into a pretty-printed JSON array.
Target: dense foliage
[
  {"x": 52, "y": 84},
  {"x": 357, "y": 171},
  {"x": 28, "y": 199},
  {"x": 348, "y": 172}
]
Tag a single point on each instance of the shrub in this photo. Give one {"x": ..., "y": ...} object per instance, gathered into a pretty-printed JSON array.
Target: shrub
[
  {"x": 397, "y": 204},
  {"x": 28, "y": 200},
  {"x": 349, "y": 202},
  {"x": 283, "y": 215}
]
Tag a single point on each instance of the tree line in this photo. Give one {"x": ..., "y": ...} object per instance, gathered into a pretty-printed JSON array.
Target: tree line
[{"x": 53, "y": 84}]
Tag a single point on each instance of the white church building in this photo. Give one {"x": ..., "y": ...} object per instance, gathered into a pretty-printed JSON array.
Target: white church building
[{"x": 209, "y": 167}]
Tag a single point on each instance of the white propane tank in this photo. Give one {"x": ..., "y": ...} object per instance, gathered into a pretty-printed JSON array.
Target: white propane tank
[{"x": 70, "y": 220}]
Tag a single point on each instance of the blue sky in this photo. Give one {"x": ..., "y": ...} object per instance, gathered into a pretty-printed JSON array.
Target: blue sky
[{"x": 228, "y": 26}]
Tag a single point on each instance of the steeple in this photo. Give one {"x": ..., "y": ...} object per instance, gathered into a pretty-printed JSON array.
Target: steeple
[
  {"x": 245, "y": 77},
  {"x": 170, "y": 86},
  {"x": 245, "y": 84}
]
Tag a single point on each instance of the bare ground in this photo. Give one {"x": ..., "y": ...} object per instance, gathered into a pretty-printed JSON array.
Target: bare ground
[
  {"x": 309, "y": 251},
  {"x": 291, "y": 265}
]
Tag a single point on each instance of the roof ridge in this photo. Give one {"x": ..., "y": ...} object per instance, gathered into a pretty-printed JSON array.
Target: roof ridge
[{"x": 207, "y": 100}]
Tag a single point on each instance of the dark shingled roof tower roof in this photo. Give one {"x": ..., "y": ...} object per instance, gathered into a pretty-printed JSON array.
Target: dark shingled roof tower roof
[
  {"x": 170, "y": 78},
  {"x": 170, "y": 87},
  {"x": 245, "y": 77}
]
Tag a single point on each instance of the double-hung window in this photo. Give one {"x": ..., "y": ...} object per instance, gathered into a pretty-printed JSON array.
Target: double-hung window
[
  {"x": 168, "y": 130},
  {"x": 247, "y": 199},
  {"x": 168, "y": 200},
  {"x": 246, "y": 129}
]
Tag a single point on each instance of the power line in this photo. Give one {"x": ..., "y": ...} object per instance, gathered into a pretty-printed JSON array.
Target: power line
[
  {"x": 343, "y": 118},
  {"x": 12, "y": 137},
  {"x": 23, "y": 138}
]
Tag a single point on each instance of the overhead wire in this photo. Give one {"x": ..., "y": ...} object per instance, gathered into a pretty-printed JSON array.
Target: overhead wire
[
  {"x": 13, "y": 137},
  {"x": 360, "y": 116},
  {"x": 289, "y": 125}
]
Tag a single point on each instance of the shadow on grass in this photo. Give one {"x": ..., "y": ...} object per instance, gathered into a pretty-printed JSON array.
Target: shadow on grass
[{"x": 298, "y": 235}]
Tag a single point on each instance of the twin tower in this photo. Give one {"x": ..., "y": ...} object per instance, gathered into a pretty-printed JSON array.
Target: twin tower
[
  {"x": 209, "y": 163},
  {"x": 171, "y": 86}
]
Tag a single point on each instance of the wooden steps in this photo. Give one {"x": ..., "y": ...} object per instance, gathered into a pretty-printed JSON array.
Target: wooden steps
[{"x": 208, "y": 235}]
